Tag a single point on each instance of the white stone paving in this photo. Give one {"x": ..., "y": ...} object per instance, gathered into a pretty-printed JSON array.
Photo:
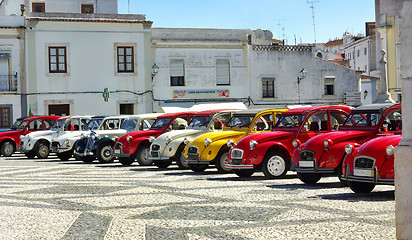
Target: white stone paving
[{"x": 53, "y": 199}]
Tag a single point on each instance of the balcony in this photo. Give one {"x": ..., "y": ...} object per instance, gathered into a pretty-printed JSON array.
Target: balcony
[{"x": 8, "y": 83}]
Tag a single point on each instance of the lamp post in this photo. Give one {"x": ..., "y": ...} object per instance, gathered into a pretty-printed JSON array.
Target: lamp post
[
  {"x": 155, "y": 70},
  {"x": 302, "y": 75}
]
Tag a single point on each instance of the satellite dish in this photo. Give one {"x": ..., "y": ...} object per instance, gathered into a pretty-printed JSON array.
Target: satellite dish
[
  {"x": 268, "y": 34},
  {"x": 259, "y": 33}
]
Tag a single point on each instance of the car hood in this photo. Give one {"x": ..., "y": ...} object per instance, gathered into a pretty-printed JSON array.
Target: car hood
[
  {"x": 336, "y": 137},
  {"x": 376, "y": 148},
  {"x": 8, "y": 132},
  {"x": 146, "y": 133},
  {"x": 172, "y": 135},
  {"x": 264, "y": 137},
  {"x": 43, "y": 133},
  {"x": 73, "y": 134},
  {"x": 5, "y": 130}
]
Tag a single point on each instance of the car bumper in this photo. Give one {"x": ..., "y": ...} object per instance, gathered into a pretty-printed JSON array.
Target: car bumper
[
  {"x": 192, "y": 159},
  {"x": 118, "y": 152},
  {"x": 155, "y": 156},
  {"x": 370, "y": 176}
]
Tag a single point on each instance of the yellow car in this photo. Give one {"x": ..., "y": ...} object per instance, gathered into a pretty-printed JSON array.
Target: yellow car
[{"x": 213, "y": 147}]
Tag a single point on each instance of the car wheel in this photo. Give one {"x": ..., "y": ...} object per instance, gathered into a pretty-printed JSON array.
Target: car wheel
[
  {"x": 127, "y": 161},
  {"x": 275, "y": 165},
  {"x": 64, "y": 156},
  {"x": 221, "y": 160},
  {"x": 42, "y": 151},
  {"x": 244, "y": 172},
  {"x": 198, "y": 167},
  {"x": 30, "y": 155},
  {"x": 361, "y": 187},
  {"x": 309, "y": 178},
  {"x": 105, "y": 153},
  {"x": 7, "y": 149},
  {"x": 87, "y": 159},
  {"x": 142, "y": 154},
  {"x": 339, "y": 171},
  {"x": 180, "y": 160},
  {"x": 162, "y": 164}
]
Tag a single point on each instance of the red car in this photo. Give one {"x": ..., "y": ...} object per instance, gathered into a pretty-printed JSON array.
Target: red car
[
  {"x": 324, "y": 154},
  {"x": 371, "y": 164},
  {"x": 10, "y": 140},
  {"x": 135, "y": 145},
  {"x": 272, "y": 151}
]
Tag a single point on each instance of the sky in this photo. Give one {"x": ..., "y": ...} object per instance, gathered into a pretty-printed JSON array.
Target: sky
[{"x": 288, "y": 19}]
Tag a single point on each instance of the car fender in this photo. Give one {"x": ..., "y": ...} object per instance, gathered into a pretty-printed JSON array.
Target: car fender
[
  {"x": 7, "y": 139},
  {"x": 211, "y": 151},
  {"x": 334, "y": 155},
  {"x": 173, "y": 145},
  {"x": 102, "y": 141}
]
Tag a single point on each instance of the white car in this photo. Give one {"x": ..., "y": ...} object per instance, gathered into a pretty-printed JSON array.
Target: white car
[
  {"x": 168, "y": 147},
  {"x": 63, "y": 145},
  {"x": 99, "y": 143},
  {"x": 38, "y": 143}
]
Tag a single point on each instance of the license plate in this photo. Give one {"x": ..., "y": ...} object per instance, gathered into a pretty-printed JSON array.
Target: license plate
[
  {"x": 363, "y": 172},
  {"x": 306, "y": 164},
  {"x": 117, "y": 151},
  {"x": 192, "y": 157},
  {"x": 155, "y": 154}
]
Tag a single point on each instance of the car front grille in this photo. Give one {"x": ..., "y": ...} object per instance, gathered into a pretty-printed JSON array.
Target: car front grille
[
  {"x": 306, "y": 156},
  {"x": 364, "y": 163},
  {"x": 55, "y": 144},
  {"x": 192, "y": 150},
  {"x": 155, "y": 147},
  {"x": 237, "y": 154},
  {"x": 117, "y": 145}
]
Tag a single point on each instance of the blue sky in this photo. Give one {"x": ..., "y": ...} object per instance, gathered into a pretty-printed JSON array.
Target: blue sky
[{"x": 288, "y": 18}]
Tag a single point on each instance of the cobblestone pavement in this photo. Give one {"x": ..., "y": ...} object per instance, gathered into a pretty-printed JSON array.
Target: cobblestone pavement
[{"x": 53, "y": 199}]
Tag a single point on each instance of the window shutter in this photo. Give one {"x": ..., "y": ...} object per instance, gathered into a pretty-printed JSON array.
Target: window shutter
[
  {"x": 176, "y": 68},
  {"x": 222, "y": 72}
]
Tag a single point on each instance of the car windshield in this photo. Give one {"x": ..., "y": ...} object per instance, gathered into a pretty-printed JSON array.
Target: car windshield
[
  {"x": 363, "y": 120},
  {"x": 161, "y": 123},
  {"x": 290, "y": 121},
  {"x": 23, "y": 124},
  {"x": 93, "y": 124},
  {"x": 129, "y": 124},
  {"x": 58, "y": 125},
  {"x": 240, "y": 121},
  {"x": 199, "y": 121},
  {"x": 16, "y": 124}
]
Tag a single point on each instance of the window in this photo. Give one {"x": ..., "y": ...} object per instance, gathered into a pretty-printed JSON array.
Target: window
[
  {"x": 5, "y": 120},
  {"x": 87, "y": 8},
  {"x": 177, "y": 70},
  {"x": 329, "y": 85},
  {"x": 36, "y": 125},
  {"x": 126, "y": 108},
  {"x": 222, "y": 72},
  {"x": 59, "y": 109},
  {"x": 365, "y": 51},
  {"x": 358, "y": 52},
  {"x": 268, "y": 87},
  {"x": 38, "y": 7},
  {"x": 57, "y": 60},
  {"x": 125, "y": 60}
]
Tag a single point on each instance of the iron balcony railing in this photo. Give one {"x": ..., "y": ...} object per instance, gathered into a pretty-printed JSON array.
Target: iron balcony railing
[{"x": 8, "y": 83}]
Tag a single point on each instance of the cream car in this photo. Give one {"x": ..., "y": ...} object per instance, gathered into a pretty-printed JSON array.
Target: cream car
[{"x": 168, "y": 147}]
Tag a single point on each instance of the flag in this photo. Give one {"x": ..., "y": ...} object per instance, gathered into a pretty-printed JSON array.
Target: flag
[{"x": 30, "y": 112}]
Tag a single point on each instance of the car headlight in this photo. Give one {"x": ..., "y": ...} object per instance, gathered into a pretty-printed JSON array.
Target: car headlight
[
  {"x": 84, "y": 135},
  {"x": 349, "y": 148},
  {"x": 296, "y": 143},
  {"x": 390, "y": 150},
  {"x": 66, "y": 142},
  {"x": 230, "y": 143},
  {"x": 185, "y": 141},
  {"x": 168, "y": 139},
  {"x": 152, "y": 139},
  {"x": 129, "y": 139},
  {"x": 327, "y": 143},
  {"x": 253, "y": 144},
  {"x": 207, "y": 142}
]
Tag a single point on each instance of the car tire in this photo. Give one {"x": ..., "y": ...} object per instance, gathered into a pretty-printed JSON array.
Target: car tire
[
  {"x": 30, "y": 155},
  {"x": 361, "y": 187},
  {"x": 309, "y": 178},
  {"x": 127, "y": 161},
  {"x": 87, "y": 159},
  {"x": 163, "y": 164},
  {"x": 180, "y": 160},
  {"x": 7, "y": 149},
  {"x": 244, "y": 173},
  {"x": 339, "y": 171},
  {"x": 275, "y": 165},
  {"x": 221, "y": 160},
  {"x": 104, "y": 153},
  {"x": 42, "y": 151},
  {"x": 64, "y": 156},
  {"x": 142, "y": 154},
  {"x": 199, "y": 168}
]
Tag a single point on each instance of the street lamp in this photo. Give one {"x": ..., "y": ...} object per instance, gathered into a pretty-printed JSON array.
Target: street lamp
[
  {"x": 302, "y": 75},
  {"x": 155, "y": 70}
]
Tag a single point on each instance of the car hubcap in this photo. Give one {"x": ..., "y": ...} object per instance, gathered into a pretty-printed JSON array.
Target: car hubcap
[
  {"x": 223, "y": 161},
  {"x": 107, "y": 153},
  {"x": 8, "y": 149},
  {"x": 43, "y": 151},
  {"x": 276, "y": 166}
]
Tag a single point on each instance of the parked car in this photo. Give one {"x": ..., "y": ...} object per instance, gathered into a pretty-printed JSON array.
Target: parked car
[
  {"x": 372, "y": 163},
  {"x": 135, "y": 145},
  {"x": 211, "y": 148},
  {"x": 99, "y": 143},
  {"x": 325, "y": 153},
  {"x": 15, "y": 125},
  {"x": 271, "y": 152},
  {"x": 38, "y": 143},
  {"x": 10, "y": 140},
  {"x": 63, "y": 145},
  {"x": 168, "y": 147}
]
